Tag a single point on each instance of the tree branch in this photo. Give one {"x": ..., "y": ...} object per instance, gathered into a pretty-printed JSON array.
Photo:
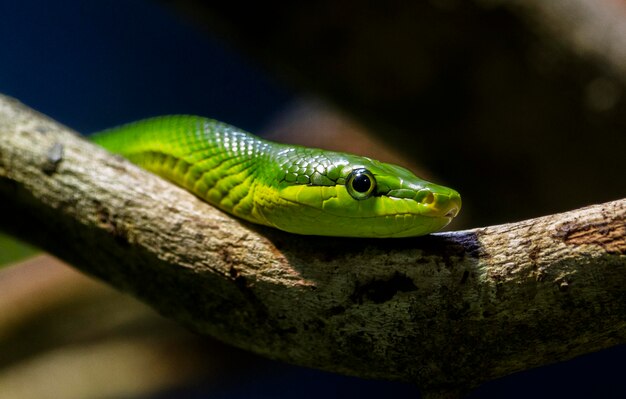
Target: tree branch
[
  {"x": 446, "y": 311},
  {"x": 592, "y": 29}
]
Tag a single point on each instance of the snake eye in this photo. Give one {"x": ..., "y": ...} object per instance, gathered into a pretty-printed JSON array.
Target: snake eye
[{"x": 360, "y": 184}]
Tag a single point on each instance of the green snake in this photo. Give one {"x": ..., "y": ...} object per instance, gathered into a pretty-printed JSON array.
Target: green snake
[{"x": 293, "y": 188}]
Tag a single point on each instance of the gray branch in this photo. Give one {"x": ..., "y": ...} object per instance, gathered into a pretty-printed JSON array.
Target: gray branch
[{"x": 446, "y": 311}]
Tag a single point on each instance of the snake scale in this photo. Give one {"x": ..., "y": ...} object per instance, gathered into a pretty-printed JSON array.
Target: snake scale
[{"x": 293, "y": 188}]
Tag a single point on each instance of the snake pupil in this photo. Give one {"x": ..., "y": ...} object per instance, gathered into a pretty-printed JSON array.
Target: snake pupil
[{"x": 361, "y": 183}]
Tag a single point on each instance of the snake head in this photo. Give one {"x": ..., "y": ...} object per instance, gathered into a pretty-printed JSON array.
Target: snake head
[{"x": 341, "y": 194}]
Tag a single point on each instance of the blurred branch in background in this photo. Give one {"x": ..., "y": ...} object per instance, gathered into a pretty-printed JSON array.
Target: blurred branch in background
[
  {"x": 500, "y": 98},
  {"x": 65, "y": 335},
  {"x": 520, "y": 105},
  {"x": 595, "y": 30}
]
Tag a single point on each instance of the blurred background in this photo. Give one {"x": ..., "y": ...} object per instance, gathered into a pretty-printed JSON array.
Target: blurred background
[{"x": 510, "y": 105}]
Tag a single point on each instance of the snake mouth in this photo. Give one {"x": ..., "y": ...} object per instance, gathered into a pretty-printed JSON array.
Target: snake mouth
[
  {"x": 332, "y": 211},
  {"x": 452, "y": 213},
  {"x": 441, "y": 204},
  {"x": 430, "y": 200},
  {"x": 434, "y": 202}
]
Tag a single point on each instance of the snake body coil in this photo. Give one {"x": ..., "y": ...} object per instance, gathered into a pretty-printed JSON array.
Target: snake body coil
[{"x": 297, "y": 189}]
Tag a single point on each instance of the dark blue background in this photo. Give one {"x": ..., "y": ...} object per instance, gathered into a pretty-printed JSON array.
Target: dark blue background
[
  {"x": 92, "y": 65},
  {"x": 95, "y": 64}
]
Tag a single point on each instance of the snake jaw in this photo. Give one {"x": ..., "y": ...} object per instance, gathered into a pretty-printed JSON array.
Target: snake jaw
[
  {"x": 426, "y": 199},
  {"x": 443, "y": 202},
  {"x": 332, "y": 211}
]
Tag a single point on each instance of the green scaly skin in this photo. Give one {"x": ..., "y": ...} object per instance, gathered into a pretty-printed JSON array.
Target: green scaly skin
[{"x": 297, "y": 189}]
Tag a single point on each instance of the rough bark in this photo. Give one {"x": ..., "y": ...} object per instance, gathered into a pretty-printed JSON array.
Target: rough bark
[{"x": 447, "y": 311}]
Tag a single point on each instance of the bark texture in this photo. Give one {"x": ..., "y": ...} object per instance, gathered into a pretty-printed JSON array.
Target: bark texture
[{"x": 446, "y": 311}]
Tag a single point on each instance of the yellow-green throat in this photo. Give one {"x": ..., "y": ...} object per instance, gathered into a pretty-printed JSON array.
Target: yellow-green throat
[{"x": 297, "y": 189}]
